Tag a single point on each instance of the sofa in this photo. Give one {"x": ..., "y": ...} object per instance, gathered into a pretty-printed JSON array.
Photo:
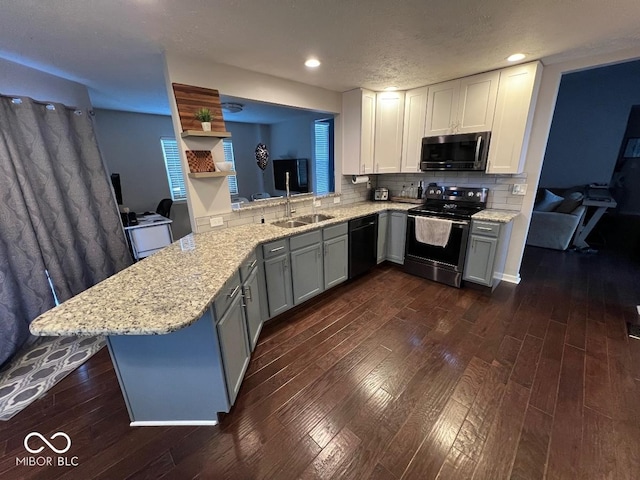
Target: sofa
[{"x": 555, "y": 219}]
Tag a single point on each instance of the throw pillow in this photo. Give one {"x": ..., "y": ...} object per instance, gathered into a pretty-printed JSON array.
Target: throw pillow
[
  {"x": 549, "y": 202},
  {"x": 570, "y": 203}
]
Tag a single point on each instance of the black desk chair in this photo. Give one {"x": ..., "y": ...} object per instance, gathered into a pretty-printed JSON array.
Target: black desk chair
[{"x": 164, "y": 207}]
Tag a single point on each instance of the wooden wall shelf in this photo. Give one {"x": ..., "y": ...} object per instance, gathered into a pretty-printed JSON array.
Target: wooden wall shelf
[
  {"x": 200, "y": 133},
  {"x": 211, "y": 174}
]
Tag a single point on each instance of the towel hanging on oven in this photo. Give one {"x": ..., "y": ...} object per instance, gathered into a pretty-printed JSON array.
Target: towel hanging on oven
[{"x": 433, "y": 231}]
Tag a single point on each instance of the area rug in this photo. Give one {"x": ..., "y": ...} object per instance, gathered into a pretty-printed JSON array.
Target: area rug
[{"x": 38, "y": 367}]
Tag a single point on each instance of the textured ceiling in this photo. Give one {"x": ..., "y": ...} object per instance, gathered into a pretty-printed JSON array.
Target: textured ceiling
[{"x": 115, "y": 47}]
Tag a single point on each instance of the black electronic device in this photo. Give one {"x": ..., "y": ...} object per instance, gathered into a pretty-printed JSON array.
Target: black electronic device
[
  {"x": 117, "y": 187},
  {"x": 298, "y": 174}
]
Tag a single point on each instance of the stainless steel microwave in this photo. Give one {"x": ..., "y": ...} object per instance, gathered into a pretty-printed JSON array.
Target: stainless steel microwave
[{"x": 464, "y": 151}]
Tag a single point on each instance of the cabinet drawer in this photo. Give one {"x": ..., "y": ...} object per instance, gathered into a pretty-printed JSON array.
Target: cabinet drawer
[
  {"x": 272, "y": 249},
  {"x": 335, "y": 231},
  {"x": 248, "y": 266},
  {"x": 304, "y": 240},
  {"x": 485, "y": 228},
  {"x": 228, "y": 293}
]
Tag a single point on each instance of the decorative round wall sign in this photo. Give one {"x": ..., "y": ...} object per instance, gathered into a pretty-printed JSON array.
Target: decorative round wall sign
[{"x": 262, "y": 155}]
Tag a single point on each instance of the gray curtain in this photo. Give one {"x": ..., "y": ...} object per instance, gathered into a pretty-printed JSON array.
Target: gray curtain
[{"x": 57, "y": 214}]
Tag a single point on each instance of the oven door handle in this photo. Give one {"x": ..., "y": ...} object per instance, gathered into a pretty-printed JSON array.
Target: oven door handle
[{"x": 455, "y": 222}]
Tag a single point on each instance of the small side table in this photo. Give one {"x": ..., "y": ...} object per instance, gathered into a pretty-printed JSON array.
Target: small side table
[{"x": 601, "y": 200}]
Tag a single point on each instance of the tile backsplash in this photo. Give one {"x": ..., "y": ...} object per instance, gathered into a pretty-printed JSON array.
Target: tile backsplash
[{"x": 499, "y": 186}]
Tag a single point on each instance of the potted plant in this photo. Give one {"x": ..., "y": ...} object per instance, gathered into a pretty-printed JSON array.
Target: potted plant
[{"x": 204, "y": 115}]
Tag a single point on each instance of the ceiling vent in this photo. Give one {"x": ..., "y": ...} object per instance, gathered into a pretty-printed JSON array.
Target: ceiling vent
[{"x": 231, "y": 107}]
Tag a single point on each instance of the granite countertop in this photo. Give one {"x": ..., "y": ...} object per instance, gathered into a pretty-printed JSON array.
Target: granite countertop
[
  {"x": 493, "y": 215},
  {"x": 171, "y": 289}
]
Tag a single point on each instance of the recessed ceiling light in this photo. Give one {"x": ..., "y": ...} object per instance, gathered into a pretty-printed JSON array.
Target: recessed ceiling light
[
  {"x": 516, "y": 57},
  {"x": 390, "y": 89},
  {"x": 312, "y": 62}
]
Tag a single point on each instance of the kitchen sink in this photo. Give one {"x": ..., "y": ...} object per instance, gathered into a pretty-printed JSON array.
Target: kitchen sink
[
  {"x": 289, "y": 223},
  {"x": 302, "y": 221},
  {"x": 315, "y": 218}
]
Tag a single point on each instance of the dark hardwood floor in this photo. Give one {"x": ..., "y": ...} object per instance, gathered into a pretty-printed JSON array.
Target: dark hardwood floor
[{"x": 396, "y": 377}]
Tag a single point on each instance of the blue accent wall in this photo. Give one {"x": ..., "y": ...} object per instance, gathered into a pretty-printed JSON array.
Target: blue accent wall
[{"x": 589, "y": 123}]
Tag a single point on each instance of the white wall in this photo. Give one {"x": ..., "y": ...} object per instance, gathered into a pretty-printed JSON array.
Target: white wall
[
  {"x": 16, "y": 79},
  {"x": 130, "y": 145}
]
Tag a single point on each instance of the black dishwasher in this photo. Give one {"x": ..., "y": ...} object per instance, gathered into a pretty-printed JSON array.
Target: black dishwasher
[{"x": 363, "y": 244}]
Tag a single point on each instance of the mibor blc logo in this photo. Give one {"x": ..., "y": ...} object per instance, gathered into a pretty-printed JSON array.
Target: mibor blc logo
[{"x": 36, "y": 443}]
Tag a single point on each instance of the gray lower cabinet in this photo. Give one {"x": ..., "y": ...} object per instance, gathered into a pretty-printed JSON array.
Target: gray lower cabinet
[
  {"x": 383, "y": 226},
  {"x": 486, "y": 252},
  {"x": 336, "y": 261},
  {"x": 481, "y": 254},
  {"x": 396, "y": 237},
  {"x": 277, "y": 273},
  {"x": 306, "y": 272},
  {"x": 234, "y": 346},
  {"x": 252, "y": 310}
]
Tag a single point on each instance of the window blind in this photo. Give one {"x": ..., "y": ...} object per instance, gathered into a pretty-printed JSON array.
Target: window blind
[
  {"x": 228, "y": 157},
  {"x": 174, "y": 168},
  {"x": 322, "y": 163}
]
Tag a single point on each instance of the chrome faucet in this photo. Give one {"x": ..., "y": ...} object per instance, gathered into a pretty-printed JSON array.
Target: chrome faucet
[{"x": 288, "y": 210}]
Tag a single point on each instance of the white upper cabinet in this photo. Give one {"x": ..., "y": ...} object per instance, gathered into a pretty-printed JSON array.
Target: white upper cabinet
[
  {"x": 442, "y": 108},
  {"x": 517, "y": 95},
  {"x": 477, "y": 102},
  {"x": 415, "y": 115},
  {"x": 388, "y": 132},
  {"x": 462, "y": 106},
  {"x": 358, "y": 127}
]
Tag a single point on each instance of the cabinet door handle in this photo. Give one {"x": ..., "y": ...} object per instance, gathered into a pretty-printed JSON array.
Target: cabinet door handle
[
  {"x": 276, "y": 249},
  {"x": 253, "y": 264},
  {"x": 234, "y": 292},
  {"x": 325, "y": 249},
  {"x": 487, "y": 229},
  {"x": 247, "y": 293}
]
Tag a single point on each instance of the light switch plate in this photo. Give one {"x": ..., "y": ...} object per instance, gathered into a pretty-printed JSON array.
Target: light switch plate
[
  {"x": 519, "y": 189},
  {"x": 317, "y": 203},
  {"x": 216, "y": 221},
  {"x": 336, "y": 199}
]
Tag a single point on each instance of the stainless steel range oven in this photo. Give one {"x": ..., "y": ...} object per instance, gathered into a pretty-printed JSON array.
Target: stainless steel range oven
[{"x": 443, "y": 263}]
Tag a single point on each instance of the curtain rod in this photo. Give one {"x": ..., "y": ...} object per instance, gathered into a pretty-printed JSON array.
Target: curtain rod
[{"x": 38, "y": 101}]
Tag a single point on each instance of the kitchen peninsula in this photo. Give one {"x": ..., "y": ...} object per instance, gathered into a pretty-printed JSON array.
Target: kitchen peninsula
[{"x": 165, "y": 317}]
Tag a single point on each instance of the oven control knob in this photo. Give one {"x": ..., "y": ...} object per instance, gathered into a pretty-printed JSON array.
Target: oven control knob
[
  {"x": 478, "y": 194},
  {"x": 469, "y": 194},
  {"x": 438, "y": 192}
]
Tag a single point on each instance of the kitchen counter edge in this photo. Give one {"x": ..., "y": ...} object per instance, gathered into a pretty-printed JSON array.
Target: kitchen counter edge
[{"x": 172, "y": 289}]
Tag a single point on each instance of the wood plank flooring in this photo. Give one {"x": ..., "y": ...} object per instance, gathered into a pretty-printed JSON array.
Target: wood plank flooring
[{"x": 395, "y": 377}]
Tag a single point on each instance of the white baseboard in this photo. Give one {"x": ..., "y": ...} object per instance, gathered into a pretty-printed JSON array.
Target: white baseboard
[
  {"x": 509, "y": 278},
  {"x": 174, "y": 423}
]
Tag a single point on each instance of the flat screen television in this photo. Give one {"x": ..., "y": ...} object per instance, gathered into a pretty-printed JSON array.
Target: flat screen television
[{"x": 298, "y": 174}]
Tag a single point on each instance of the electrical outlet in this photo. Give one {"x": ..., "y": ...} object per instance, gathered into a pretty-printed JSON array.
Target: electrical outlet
[
  {"x": 317, "y": 203},
  {"x": 216, "y": 221},
  {"x": 519, "y": 189},
  {"x": 336, "y": 199}
]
